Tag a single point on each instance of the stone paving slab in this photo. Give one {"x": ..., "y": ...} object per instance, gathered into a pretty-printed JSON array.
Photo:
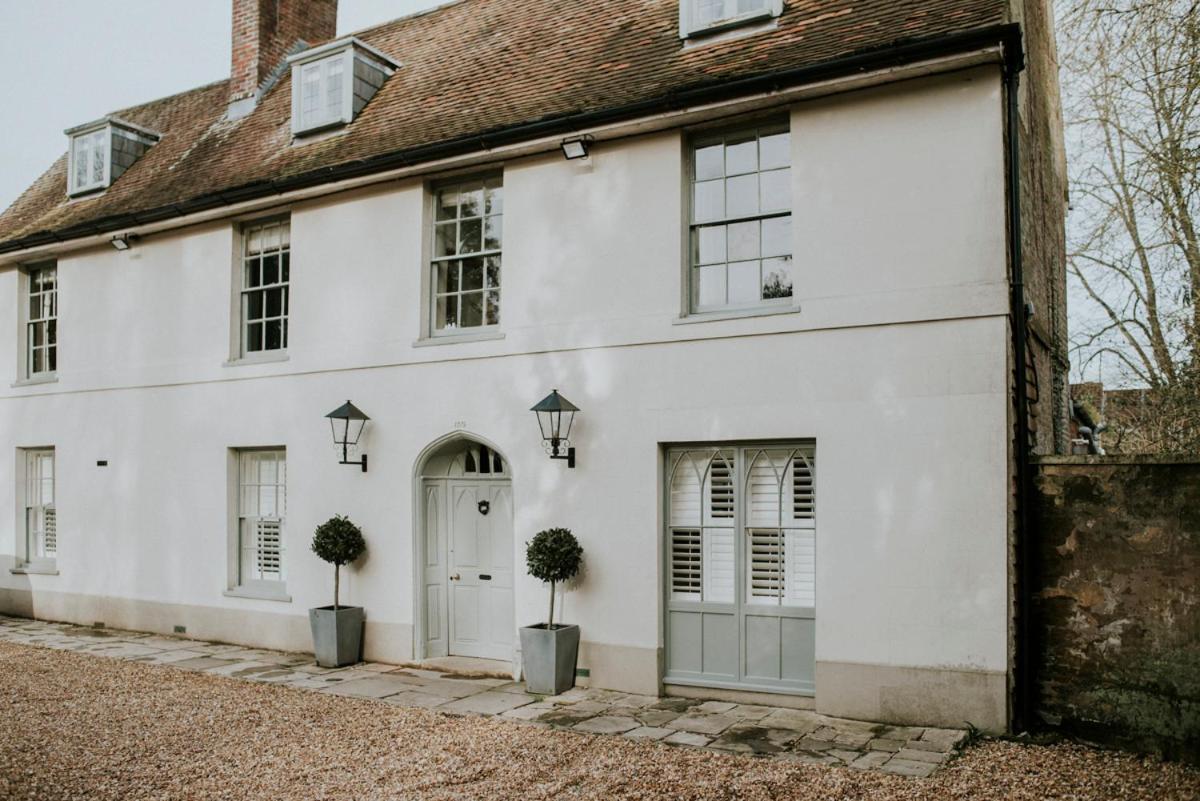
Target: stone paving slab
[
  {"x": 379, "y": 686},
  {"x": 487, "y": 703},
  {"x": 607, "y": 724},
  {"x": 771, "y": 732}
]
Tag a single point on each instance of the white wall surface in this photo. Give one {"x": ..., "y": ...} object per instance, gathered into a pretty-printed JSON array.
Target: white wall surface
[{"x": 895, "y": 362}]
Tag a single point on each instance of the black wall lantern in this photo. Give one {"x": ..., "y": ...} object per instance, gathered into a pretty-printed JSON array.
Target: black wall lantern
[
  {"x": 348, "y": 422},
  {"x": 556, "y": 440}
]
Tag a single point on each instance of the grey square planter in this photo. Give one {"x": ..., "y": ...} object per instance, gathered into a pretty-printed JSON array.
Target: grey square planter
[
  {"x": 337, "y": 635},
  {"x": 549, "y": 657}
]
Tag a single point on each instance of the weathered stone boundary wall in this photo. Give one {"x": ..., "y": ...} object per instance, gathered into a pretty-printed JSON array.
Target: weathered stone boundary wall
[{"x": 1117, "y": 600}]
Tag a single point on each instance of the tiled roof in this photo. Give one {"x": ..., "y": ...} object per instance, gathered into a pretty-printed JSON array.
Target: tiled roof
[{"x": 469, "y": 68}]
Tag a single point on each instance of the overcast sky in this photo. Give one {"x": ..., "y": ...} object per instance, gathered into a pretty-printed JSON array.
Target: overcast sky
[{"x": 72, "y": 61}]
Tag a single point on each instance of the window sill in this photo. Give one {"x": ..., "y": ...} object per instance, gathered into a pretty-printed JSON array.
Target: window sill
[
  {"x": 258, "y": 595},
  {"x": 450, "y": 339},
  {"x": 730, "y": 29},
  {"x": 738, "y": 314},
  {"x": 319, "y": 133},
  {"x": 34, "y": 570},
  {"x": 87, "y": 194},
  {"x": 33, "y": 381},
  {"x": 270, "y": 357}
]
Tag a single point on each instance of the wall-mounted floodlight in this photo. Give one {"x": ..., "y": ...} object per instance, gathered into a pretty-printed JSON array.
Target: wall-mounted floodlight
[
  {"x": 578, "y": 147},
  {"x": 124, "y": 241}
]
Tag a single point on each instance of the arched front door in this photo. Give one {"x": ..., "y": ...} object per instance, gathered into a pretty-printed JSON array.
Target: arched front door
[{"x": 468, "y": 552}]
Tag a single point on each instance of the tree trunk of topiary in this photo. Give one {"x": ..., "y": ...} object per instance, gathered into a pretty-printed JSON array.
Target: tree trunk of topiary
[
  {"x": 550, "y": 623},
  {"x": 335, "y": 587}
]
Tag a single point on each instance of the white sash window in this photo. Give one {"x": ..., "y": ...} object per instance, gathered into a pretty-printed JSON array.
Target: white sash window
[
  {"x": 266, "y": 285},
  {"x": 699, "y": 16},
  {"x": 262, "y": 510},
  {"x": 41, "y": 520},
  {"x": 741, "y": 219},
  {"x": 41, "y": 327},
  {"x": 468, "y": 243}
]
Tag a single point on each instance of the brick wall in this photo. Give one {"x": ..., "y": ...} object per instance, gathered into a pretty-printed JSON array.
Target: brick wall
[
  {"x": 265, "y": 31},
  {"x": 1117, "y": 603},
  {"x": 1044, "y": 207}
]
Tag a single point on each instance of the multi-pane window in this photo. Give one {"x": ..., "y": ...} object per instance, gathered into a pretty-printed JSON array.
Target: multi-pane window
[
  {"x": 266, "y": 272},
  {"x": 698, "y": 15},
  {"x": 41, "y": 327},
  {"x": 322, "y": 93},
  {"x": 262, "y": 510},
  {"x": 741, "y": 221},
  {"x": 763, "y": 531},
  {"x": 41, "y": 525},
  {"x": 467, "y": 244},
  {"x": 702, "y": 528},
  {"x": 780, "y": 528},
  {"x": 333, "y": 82},
  {"x": 89, "y": 160}
]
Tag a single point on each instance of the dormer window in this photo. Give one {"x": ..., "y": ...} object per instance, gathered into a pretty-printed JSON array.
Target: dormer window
[
  {"x": 698, "y": 17},
  {"x": 101, "y": 151},
  {"x": 332, "y": 83}
]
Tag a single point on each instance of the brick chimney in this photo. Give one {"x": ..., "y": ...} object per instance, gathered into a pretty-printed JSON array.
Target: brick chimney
[{"x": 265, "y": 32}]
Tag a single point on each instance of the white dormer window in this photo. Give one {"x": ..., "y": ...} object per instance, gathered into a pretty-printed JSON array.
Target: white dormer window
[
  {"x": 89, "y": 161},
  {"x": 332, "y": 83},
  {"x": 702, "y": 16},
  {"x": 323, "y": 93},
  {"x": 101, "y": 151}
]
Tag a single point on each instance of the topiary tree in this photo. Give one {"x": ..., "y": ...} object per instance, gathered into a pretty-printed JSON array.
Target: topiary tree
[
  {"x": 339, "y": 542},
  {"x": 553, "y": 555}
]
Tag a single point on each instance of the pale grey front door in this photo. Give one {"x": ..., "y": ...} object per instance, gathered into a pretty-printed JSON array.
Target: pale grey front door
[
  {"x": 481, "y": 569},
  {"x": 740, "y": 546}
]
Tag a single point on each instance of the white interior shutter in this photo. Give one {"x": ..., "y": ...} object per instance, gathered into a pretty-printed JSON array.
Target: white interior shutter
[
  {"x": 685, "y": 492},
  {"x": 766, "y": 548},
  {"x": 803, "y": 487},
  {"x": 49, "y": 532},
  {"x": 268, "y": 550},
  {"x": 720, "y": 489},
  {"x": 701, "y": 512},
  {"x": 801, "y": 557},
  {"x": 719, "y": 533},
  {"x": 686, "y": 564}
]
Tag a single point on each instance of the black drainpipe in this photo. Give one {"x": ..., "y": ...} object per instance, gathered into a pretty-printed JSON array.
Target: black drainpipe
[{"x": 1022, "y": 712}]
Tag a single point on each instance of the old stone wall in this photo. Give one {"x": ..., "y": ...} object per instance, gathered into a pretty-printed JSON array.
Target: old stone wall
[{"x": 1117, "y": 600}]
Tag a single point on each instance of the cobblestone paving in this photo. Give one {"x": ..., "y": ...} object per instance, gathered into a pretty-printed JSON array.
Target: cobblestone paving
[{"x": 772, "y": 732}]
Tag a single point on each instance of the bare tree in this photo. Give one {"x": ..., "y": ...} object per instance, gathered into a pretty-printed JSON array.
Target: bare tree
[{"x": 1131, "y": 81}]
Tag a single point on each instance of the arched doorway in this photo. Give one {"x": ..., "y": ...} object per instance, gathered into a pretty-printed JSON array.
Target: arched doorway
[{"x": 464, "y": 569}]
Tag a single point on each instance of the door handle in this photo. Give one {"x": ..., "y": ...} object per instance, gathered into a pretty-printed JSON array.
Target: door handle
[
  {"x": 455, "y": 577},
  {"x": 485, "y": 577}
]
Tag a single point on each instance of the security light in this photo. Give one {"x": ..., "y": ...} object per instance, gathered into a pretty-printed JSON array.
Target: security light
[
  {"x": 578, "y": 147},
  {"x": 124, "y": 241}
]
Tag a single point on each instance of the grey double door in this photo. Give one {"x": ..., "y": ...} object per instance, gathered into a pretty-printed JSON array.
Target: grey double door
[{"x": 740, "y": 545}]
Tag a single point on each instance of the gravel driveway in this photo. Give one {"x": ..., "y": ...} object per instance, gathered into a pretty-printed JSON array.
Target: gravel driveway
[{"x": 79, "y": 727}]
